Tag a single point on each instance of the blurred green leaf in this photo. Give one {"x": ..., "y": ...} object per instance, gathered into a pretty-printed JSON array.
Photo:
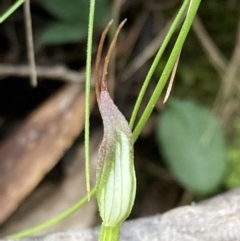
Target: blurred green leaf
[
  {"x": 53, "y": 33},
  {"x": 67, "y": 10},
  {"x": 71, "y": 20},
  {"x": 193, "y": 144}
]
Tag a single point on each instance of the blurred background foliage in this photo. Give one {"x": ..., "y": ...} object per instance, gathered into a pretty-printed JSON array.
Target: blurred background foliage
[
  {"x": 206, "y": 90},
  {"x": 71, "y": 20}
]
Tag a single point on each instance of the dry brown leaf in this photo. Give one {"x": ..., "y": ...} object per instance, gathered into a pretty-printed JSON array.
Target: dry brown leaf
[{"x": 38, "y": 144}]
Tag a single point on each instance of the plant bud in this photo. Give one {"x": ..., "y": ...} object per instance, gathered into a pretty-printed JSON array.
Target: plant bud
[{"x": 116, "y": 181}]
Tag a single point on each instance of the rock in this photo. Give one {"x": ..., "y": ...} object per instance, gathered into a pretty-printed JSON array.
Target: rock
[{"x": 216, "y": 219}]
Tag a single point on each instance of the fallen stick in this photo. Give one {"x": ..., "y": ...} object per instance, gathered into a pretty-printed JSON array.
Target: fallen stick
[
  {"x": 58, "y": 72},
  {"x": 38, "y": 144}
]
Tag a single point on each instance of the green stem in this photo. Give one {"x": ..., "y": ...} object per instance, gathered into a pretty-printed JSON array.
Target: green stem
[
  {"x": 109, "y": 233},
  {"x": 13, "y": 8},
  {"x": 156, "y": 61},
  {"x": 53, "y": 221},
  {"x": 87, "y": 93},
  {"x": 193, "y": 6}
]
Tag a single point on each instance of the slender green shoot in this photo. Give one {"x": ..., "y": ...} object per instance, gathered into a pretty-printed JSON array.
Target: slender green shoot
[
  {"x": 12, "y": 9},
  {"x": 193, "y": 6},
  {"x": 55, "y": 220},
  {"x": 172, "y": 29},
  {"x": 87, "y": 94}
]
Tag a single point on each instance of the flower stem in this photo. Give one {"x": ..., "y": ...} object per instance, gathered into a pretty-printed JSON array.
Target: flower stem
[
  {"x": 109, "y": 233},
  {"x": 87, "y": 95}
]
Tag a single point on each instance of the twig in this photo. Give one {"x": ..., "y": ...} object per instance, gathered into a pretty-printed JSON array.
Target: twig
[
  {"x": 224, "y": 104},
  {"x": 58, "y": 72},
  {"x": 215, "y": 56},
  {"x": 148, "y": 53},
  {"x": 29, "y": 38},
  {"x": 233, "y": 67},
  {"x": 131, "y": 39},
  {"x": 226, "y": 97}
]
